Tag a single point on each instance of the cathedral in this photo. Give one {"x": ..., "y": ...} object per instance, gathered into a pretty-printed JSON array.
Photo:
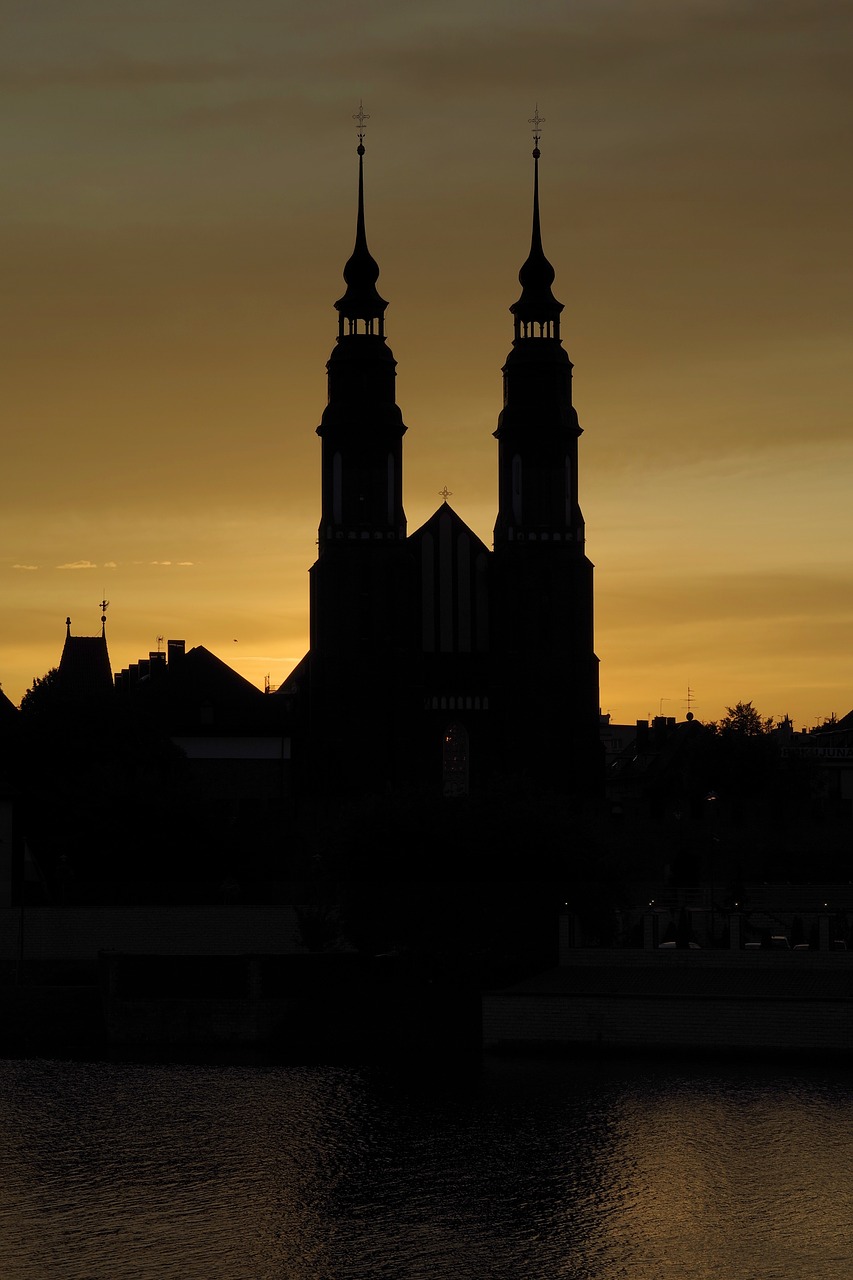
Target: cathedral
[{"x": 435, "y": 661}]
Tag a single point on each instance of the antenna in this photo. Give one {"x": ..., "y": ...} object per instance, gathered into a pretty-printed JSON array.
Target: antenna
[
  {"x": 159, "y": 643},
  {"x": 690, "y": 699}
]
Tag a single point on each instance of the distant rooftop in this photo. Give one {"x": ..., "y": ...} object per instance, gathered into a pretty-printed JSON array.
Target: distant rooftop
[{"x": 84, "y": 668}]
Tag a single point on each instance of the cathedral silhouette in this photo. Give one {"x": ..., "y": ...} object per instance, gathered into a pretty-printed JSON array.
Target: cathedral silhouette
[{"x": 433, "y": 660}]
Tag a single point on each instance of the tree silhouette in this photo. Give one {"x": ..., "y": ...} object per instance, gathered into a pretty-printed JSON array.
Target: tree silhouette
[
  {"x": 744, "y": 721},
  {"x": 42, "y": 695}
]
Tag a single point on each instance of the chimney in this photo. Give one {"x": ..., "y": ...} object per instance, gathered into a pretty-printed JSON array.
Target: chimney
[
  {"x": 176, "y": 650},
  {"x": 156, "y": 663}
]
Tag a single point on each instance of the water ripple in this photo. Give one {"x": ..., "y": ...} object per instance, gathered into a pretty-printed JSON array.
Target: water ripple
[{"x": 525, "y": 1169}]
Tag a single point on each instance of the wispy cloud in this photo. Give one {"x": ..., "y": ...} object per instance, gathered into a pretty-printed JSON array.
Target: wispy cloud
[
  {"x": 123, "y": 73},
  {"x": 78, "y": 564},
  {"x": 185, "y": 564},
  {"x": 24, "y": 566},
  {"x": 161, "y": 562},
  {"x": 109, "y": 564}
]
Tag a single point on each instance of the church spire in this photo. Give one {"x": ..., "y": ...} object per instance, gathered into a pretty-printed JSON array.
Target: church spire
[
  {"x": 362, "y": 427},
  {"x": 537, "y": 311},
  {"x": 538, "y": 427},
  {"x": 361, "y": 300}
]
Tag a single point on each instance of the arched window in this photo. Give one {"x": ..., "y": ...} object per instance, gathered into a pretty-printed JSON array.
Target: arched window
[{"x": 454, "y": 770}]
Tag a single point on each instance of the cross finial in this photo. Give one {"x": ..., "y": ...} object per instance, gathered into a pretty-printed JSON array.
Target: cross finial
[
  {"x": 537, "y": 121},
  {"x": 445, "y": 493},
  {"x": 361, "y": 116}
]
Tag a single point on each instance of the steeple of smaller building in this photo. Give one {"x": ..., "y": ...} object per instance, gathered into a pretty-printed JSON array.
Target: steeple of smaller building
[{"x": 84, "y": 668}]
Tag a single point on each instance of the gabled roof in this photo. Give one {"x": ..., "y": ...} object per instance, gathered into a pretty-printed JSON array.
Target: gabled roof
[
  {"x": 200, "y": 672},
  {"x": 453, "y": 567},
  {"x": 457, "y": 525},
  {"x": 296, "y": 679},
  {"x": 199, "y": 693}
]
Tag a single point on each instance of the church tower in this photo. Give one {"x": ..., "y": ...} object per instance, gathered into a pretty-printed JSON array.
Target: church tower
[
  {"x": 545, "y": 668},
  {"x": 361, "y": 581}
]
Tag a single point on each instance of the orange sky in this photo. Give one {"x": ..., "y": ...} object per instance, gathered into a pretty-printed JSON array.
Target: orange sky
[{"x": 180, "y": 201}]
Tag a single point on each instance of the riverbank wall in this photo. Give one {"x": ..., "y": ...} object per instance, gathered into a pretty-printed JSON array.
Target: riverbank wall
[
  {"x": 85, "y": 979},
  {"x": 764, "y": 1001}
]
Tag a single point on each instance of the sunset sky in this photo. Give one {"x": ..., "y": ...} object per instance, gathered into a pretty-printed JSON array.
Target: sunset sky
[{"x": 179, "y": 202}]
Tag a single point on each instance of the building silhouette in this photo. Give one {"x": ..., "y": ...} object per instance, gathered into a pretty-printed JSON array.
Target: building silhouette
[
  {"x": 84, "y": 667},
  {"x": 433, "y": 660},
  {"x": 435, "y": 663}
]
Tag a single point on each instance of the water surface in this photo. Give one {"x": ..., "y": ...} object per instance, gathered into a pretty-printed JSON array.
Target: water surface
[{"x": 513, "y": 1169}]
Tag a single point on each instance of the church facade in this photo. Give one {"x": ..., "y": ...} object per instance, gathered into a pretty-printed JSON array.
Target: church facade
[{"x": 434, "y": 660}]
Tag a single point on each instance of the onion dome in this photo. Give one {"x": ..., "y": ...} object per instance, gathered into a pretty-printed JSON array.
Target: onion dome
[
  {"x": 361, "y": 300},
  {"x": 537, "y": 312}
]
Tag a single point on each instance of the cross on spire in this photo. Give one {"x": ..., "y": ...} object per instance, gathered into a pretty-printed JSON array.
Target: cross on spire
[
  {"x": 537, "y": 121},
  {"x": 445, "y": 493},
  {"x": 361, "y": 116}
]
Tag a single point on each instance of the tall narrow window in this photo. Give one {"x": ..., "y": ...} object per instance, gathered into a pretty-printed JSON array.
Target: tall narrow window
[
  {"x": 454, "y": 772},
  {"x": 516, "y": 489},
  {"x": 337, "y": 501}
]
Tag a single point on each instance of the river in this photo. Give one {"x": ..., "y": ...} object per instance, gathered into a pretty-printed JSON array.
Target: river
[{"x": 507, "y": 1169}]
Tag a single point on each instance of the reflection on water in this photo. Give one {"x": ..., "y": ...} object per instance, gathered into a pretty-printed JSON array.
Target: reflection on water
[{"x": 513, "y": 1169}]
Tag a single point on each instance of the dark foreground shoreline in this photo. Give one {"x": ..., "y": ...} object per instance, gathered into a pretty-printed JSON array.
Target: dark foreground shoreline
[{"x": 355, "y": 1009}]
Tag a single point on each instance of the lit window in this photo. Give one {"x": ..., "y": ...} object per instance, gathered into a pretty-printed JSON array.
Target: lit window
[{"x": 454, "y": 773}]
